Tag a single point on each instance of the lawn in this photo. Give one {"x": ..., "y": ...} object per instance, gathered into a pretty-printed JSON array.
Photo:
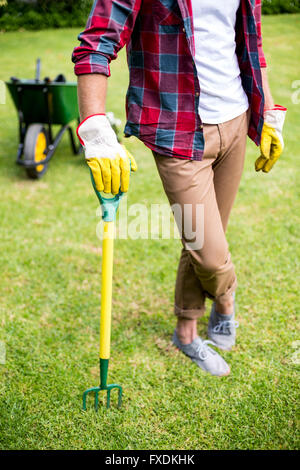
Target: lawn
[{"x": 50, "y": 291}]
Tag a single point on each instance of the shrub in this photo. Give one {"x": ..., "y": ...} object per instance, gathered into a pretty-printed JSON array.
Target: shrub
[
  {"x": 41, "y": 14},
  {"x": 273, "y": 7}
]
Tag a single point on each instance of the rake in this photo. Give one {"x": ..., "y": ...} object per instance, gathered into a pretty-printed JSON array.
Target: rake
[{"x": 109, "y": 206}]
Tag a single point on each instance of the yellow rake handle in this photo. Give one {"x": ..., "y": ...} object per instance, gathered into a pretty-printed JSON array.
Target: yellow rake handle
[{"x": 106, "y": 289}]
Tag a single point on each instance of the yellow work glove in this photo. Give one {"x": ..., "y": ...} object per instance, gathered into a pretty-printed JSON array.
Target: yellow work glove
[
  {"x": 109, "y": 161},
  {"x": 271, "y": 145}
]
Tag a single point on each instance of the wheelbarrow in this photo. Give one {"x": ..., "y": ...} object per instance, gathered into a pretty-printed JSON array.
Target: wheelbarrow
[{"x": 40, "y": 105}]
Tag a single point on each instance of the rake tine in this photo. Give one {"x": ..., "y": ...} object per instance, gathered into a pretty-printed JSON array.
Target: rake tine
[
  {"x": 96, "y": 400},
  {"x": 84, "y": 396},
  {"x": 108, "y": 398},
  {"x": 120, "y": 397}
]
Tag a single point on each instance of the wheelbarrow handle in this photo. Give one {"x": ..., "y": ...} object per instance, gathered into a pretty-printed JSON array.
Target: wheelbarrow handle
[{"x": 38, "y": 70}]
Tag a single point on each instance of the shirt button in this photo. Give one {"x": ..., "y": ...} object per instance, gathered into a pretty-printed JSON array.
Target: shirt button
[
  {"x": 201, "y": 126},
  {"x": 197, "y": 93},
  {"x": 183, "y": 30}
]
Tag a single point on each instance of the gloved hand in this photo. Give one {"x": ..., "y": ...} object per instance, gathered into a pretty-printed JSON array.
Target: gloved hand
[
  {"x": 109, "y": 161},
  {"x": 271, "y": 145}
]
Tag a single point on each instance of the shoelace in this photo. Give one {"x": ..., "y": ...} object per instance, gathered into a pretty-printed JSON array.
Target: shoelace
[
  {"x": 223, "y": 324},
  {"x": 202, "y": 349}
]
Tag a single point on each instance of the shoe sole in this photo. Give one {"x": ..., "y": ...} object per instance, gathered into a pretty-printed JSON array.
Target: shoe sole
[
  {"x": 222, "y": 348},
  {"x": 206, "y": 371},
  {"x": 224, "y": 375},
  {"x": 219, "y": 346}
]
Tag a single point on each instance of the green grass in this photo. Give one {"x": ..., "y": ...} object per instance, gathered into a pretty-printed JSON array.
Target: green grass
[{"x": 50, "y": 291}]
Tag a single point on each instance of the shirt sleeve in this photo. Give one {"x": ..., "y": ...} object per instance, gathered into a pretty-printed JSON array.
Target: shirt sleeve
[
  {"x": 108, "y": 29},
  {"x": 257, "y": 14}
]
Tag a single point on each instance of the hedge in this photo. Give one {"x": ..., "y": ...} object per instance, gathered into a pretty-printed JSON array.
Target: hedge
[
  {"x": 41, "y": 14},
  {"x": 274, "y": 7}
]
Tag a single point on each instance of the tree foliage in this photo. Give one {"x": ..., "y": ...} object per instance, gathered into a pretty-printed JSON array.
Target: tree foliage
[{"x": 41, "y": 14}]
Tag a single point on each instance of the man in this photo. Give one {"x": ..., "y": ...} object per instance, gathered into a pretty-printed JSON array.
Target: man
[{"x": 198, "y": 86}]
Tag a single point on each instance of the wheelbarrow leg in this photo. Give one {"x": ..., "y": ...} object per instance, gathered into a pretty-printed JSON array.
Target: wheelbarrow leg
[{"x": 76, "y": 149}]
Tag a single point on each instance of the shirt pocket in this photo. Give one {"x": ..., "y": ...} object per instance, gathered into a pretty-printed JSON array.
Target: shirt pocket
[{"x": 166, "y": 12}]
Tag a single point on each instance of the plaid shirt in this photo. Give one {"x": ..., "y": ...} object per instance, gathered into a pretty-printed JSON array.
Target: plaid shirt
[{"x": 163, "y": 95}]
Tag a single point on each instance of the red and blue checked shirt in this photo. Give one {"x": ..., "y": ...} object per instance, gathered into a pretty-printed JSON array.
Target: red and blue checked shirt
[{"x": 163, "y": 94}]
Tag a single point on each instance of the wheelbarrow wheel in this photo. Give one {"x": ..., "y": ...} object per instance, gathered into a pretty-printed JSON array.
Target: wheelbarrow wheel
[{"x": 35, "y": 146}]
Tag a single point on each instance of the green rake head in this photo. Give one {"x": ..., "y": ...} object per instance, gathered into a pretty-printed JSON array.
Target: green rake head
[
  {"x": 96, "y": 390},
  {"x": 103, "y": 386}
]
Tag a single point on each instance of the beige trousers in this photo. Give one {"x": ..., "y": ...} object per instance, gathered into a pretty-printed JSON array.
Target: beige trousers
[{"x": 205, "y": 267}]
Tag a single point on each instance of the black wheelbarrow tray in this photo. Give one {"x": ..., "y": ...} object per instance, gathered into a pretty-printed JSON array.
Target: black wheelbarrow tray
[{"x": 40, "y": 105}]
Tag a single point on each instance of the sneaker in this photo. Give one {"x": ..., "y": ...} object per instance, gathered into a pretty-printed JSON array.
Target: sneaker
[
  {"x": 221, "y": 328},
  {"x": 205, "y": 357}
]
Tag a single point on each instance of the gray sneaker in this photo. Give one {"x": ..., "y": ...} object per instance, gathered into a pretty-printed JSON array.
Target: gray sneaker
[
  {"x": 204, "y": 356},
  {"x": 221, "y": 328}
]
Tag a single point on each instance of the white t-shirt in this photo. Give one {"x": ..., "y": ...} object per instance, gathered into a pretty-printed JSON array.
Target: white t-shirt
[{"x": 222, "y": 96}]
